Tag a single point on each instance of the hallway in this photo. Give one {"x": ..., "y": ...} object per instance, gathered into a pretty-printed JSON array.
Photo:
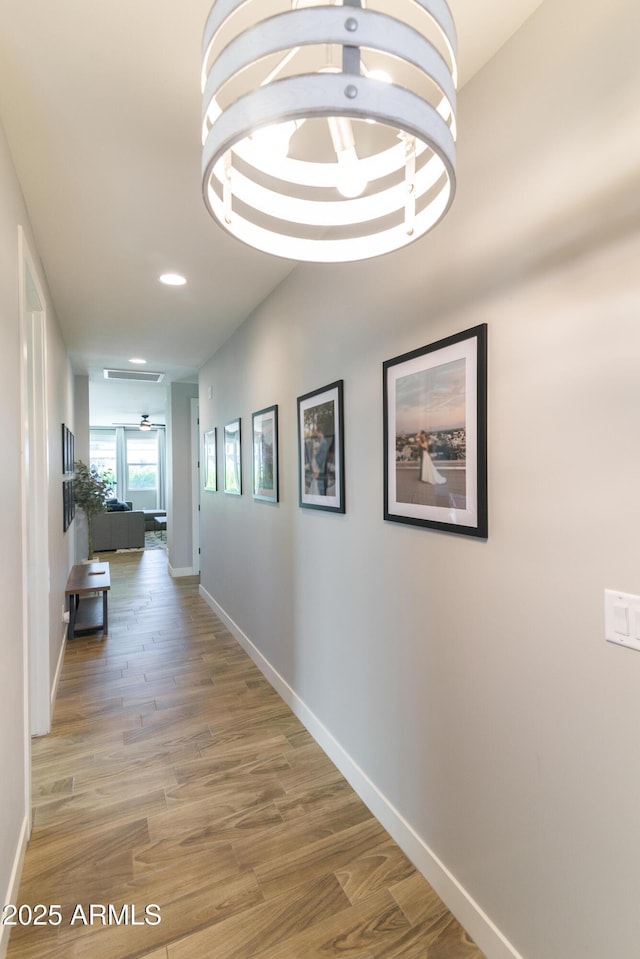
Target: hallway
[{"x": 175, "y": 777}]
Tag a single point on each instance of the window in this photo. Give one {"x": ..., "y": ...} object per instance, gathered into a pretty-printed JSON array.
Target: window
[
  {"x": 102, "y": 451},
  {"x": 134, "y": 460},
  {"x": 142, "y": 461}
]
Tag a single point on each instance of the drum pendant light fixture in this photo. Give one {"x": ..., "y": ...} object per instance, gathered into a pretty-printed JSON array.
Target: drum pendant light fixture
[{"x": 328, "y": 126}]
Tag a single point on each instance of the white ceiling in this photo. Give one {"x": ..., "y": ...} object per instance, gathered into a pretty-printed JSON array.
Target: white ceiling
[{"x": 100, "y": 103}]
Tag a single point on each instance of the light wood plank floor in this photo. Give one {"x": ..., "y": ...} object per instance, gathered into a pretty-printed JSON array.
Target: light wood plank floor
[{"x": 174, "y": 775}]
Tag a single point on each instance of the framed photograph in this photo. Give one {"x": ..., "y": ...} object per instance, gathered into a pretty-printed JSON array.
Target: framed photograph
[
  {"x": 265, "y": 454},
  {"x": 67, "y": 450},
  {"x": 210, "y": 460},
  {"x": 435, "y": 435},
  {"x": 68, "y": 504},
  {"x": 232, "y": 458},
  {"x": 321, "y": 449}
]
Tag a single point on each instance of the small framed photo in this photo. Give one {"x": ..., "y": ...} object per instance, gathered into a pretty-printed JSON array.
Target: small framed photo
[
  {"x": 68, "y": 504},
  {"x": 232, "y": 458},
  {"x": 265, "y": 454},
  {"x": 210, "y": 458},
  {"x": 67, "y": 450},
  {"x": 321, "y": 449},
  {"x": 435, "y": 435}
]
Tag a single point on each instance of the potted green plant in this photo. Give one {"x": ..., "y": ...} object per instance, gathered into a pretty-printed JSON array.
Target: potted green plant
[{"x": 90, "y": 491}]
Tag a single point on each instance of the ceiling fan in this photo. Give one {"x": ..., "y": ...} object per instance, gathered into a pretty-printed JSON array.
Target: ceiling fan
[{"x": 144, "y": 423}]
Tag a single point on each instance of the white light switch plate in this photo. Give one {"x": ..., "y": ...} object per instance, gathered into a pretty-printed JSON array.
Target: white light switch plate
[{"x": 622, "y": 618}]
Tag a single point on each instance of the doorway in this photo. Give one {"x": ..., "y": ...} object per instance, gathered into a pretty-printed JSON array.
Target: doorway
[{"x": 35, "y": 499}]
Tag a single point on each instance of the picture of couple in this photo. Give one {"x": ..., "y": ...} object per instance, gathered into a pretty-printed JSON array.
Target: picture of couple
[
  {"x": 428, "y": 472},
  {"x": 430, "y": 436},
  {"x": 319, "y": 468},
  {"x": 435, "y": 435},
  {"x": 321, "y": 449}
]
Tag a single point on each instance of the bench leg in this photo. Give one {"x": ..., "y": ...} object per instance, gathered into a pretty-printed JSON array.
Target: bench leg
[
  {"x": 105, "y": 615},
  {"x": 73, "y": 605}
]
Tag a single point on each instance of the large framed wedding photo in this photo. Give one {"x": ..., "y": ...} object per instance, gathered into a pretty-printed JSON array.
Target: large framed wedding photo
[
  {"x": 210, "y": 461},
  {"x": 232, "y": 458},
  {"x": 321, "y": 449},
  {"x": 435, "y": 435},
  {"x": 265, "y": 454}
]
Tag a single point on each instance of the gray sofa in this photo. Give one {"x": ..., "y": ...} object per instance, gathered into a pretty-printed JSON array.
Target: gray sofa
[{"x": 118, "y": 530}]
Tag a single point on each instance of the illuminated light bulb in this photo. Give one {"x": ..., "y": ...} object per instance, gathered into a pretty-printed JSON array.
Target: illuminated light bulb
[
  {"x": 274, "y": 139},
  {"x": 351, "y": 181}
]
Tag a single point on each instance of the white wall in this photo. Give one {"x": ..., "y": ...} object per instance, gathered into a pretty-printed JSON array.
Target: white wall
[
  {"x": 81, "y": 435},
  {"x": 468, "y": 680},
  {"x": 180, "y": 464},
  {"x": 60, "y": 409},
  {"x": 14, "y": 723}
]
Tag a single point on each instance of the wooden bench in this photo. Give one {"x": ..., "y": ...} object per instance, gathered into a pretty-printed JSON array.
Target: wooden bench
[{"x": 85, "y": 614}]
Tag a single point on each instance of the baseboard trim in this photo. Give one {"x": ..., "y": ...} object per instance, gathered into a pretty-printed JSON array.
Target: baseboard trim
[
  {"x": 181, "y": 571},
  {"x": 58, "y": 673},
  {"x": 14, "y": 882},
  {"x": 484, "y": 932}
]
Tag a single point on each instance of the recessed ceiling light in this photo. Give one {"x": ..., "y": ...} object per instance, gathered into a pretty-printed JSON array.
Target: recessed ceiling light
[
  {"x": 136, "y": 359},
  {"x": 173, "y": 279}
]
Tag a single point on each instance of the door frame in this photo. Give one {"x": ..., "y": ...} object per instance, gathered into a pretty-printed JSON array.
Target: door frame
[
  {"x": 35, "y": 500},
  {"x": 195, "y": 485}
]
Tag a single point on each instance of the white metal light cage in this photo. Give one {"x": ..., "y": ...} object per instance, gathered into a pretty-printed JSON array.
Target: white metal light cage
[{"x": 329, "y": 125}]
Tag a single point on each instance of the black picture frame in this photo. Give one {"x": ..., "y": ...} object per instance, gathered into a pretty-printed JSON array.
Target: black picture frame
[
  {"x": 435, "y": 435},
  {"x": 68, "y": 504},
  {"x": 68, "y": 452},
  {"x": 321, "y": 474},
  {"x": 210, "y": 460},
  {"x": 233, "y": 458},
  {"x": 265, "y": 474}
]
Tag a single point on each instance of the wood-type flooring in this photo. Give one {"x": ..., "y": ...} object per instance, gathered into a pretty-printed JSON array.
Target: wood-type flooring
[{"x": 177, "y": 784}]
